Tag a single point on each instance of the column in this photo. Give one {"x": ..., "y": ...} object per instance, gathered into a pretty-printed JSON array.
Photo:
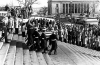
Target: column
[
  {"x": 64, "y": 8},
  {"x": 83, "y": 7},
  {"x": 67, "y": 8},
  {"x": 86, "y": 8}
]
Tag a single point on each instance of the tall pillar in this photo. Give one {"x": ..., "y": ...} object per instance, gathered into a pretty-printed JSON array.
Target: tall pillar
[
  {"x": 83, "y": 7},
  {"x": 86, "y": 7}
]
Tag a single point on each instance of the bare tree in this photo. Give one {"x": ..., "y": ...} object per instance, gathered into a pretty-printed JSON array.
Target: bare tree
[
  {"x": 27, "y": 2},
  {"x": 43, "y": 11},
  {"x": 28, "y": 6}
]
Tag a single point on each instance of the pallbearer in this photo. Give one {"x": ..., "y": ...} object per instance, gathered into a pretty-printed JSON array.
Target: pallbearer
[
  {"x": 43, "y": 42},
  {"x": 36, "y": 40},
  {"x": 30, "y": 30},
  {"x": 53, "y": 43}
]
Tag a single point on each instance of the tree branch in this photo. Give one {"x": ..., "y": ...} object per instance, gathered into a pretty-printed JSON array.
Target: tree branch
[
  {"x": 27, "y": 3},
  {"x": 21, "y": 2},
  {"x": 33, "y": 2}
]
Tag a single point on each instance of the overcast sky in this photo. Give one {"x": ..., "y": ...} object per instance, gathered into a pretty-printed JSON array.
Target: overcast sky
[{"x": 14, "y": 2}]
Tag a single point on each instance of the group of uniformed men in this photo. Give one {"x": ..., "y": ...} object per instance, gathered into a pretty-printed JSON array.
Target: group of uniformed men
[{"x": 37, "y": 41}]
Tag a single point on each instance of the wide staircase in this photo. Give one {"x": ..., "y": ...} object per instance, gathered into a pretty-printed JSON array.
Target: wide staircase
[
  {"x": 69, "y": 54},
  {"x": 17, "y": 53}
]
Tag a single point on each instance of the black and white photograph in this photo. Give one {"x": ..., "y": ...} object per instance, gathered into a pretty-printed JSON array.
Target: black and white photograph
[{"x": 49, "y": 32}]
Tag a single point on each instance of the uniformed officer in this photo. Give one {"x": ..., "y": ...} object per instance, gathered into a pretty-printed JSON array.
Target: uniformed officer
[
  {"x": 36, "y": 40},
  {"x": 30, "y": 30},
  {"x": 43, "y": 42},
  {"x": 53, "y": 43}
]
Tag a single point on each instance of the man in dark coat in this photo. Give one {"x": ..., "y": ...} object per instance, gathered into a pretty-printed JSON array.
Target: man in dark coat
[
  {"x": 30, "y": 30},
  {"x": 36, "y": 40},
  {"x": 53, "y": 43},
  {"x": 43, "y": 43},
  {"x": 70, "y": 36},
  {"x": 3, "y": 27}
]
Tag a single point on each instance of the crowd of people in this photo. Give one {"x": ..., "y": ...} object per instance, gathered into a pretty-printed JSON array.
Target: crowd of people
[
  {"x": 34, "y": 30},
  {"x": 81, "y": 35}
]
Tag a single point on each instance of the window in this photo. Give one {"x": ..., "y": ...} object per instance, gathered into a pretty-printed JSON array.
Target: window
[
  {"x": 63, "y": 8},
  {"x": 87, "y": 8},
  {"x": 75, "y": 8},
  {"x": 79, "y": 8},
  {"x": 56, "y": 5},
  {"x": 67, "y": 8},
  {"x": 70, "y": 11},
  {"x": 72, "y": 8}
]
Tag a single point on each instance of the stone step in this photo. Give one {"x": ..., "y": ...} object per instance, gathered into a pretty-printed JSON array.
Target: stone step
[
  {"x": 87, "y": 57},
  {"x": 87, "y": 50},
  {"x": 61, "y": 58},
  {"x": 34, "y": 58},
  {"x": 19, "y": 52},
  {"x": 73, "y": 48},
  {"x": 92, "y": 51},
  {"x": 26, "y": 55},
  {"x": 81, "y": 59},
  {"x": 1, "y": 44},
  {"x": 41, "y": 59},
  {"x": 4, "y": 51},
  {"x": 68, "y": 53},
  {"x": 92, "y": 57},
  {"x": 48, "y": 59},
  {"x": 10, "y": 59}
]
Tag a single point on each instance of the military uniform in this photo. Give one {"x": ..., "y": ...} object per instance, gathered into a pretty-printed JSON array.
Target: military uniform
[
  {"x": 53, "y": 42},
  {"x": 36, "y": 40},
  {"x": 30, "y": 31},
  {"x": 43, "y": 43}
]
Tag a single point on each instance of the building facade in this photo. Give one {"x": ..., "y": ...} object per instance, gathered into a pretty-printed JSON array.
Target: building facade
[{"x": 71, "y": 6}]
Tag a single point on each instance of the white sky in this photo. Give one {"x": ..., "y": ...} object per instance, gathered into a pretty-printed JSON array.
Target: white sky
[{"x": 14, "y": 2}]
